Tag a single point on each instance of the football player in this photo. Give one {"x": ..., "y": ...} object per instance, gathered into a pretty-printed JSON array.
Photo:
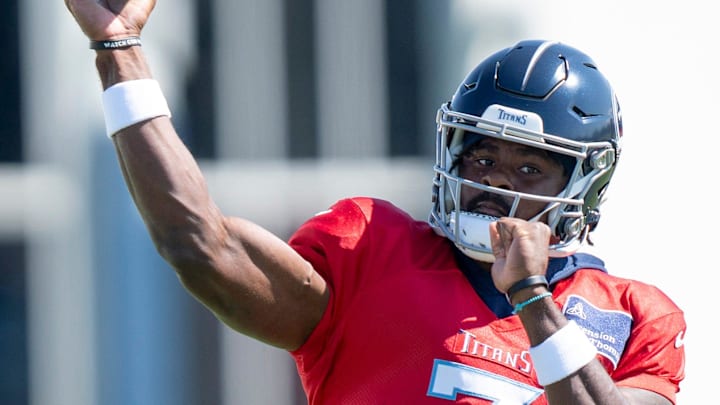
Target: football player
[{"x": 488, "y": 301}]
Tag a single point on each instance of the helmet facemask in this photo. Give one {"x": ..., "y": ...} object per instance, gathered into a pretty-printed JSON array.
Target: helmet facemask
[
  {"x": 539, "y": 94},
  {"x": 571, "y": 214}
]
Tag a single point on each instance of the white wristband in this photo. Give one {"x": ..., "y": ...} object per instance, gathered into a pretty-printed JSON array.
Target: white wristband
[
  {"x": 563, "y": 353},
  {"x": 127, "y": 103}
]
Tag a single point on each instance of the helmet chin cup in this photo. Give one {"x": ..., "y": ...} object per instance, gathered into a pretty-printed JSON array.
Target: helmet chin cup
[
  {"x": 471, "y": 233},
  {"x": 476, "y": 255}
]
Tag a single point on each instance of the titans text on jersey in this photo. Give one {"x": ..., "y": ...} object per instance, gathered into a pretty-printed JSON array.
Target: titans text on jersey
[{"x": 405, "y": 325}]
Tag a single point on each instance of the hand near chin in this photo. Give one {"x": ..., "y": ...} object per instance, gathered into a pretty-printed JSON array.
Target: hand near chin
[{"x": 521, "y": 250}]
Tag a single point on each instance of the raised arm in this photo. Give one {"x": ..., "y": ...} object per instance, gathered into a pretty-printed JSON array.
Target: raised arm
[{"x": 251, "y": 280}]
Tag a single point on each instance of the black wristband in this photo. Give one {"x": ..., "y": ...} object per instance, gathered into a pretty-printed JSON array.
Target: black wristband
[
  {"x": 526, "y": 282},
  {"x": 115, "y": 43}
]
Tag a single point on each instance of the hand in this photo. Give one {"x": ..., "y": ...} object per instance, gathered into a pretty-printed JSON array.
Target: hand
[
  {"x": 110, "y": 19},
  {"x": 520, "y": 249}
]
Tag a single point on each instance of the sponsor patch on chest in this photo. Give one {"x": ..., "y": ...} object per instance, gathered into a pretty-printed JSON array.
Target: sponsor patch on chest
[{"x": 608, "y": 330}]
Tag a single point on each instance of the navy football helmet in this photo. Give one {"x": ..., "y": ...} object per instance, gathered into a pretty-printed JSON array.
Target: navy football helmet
[{"x": 542, "y": 94}]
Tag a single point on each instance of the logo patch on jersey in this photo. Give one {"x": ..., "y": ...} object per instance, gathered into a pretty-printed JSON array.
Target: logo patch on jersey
[
  {"x": 680, "y": 340},
  {"x": 608, "y": 330}
]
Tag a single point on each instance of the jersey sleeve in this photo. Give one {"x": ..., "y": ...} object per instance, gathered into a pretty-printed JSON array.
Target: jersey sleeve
[
  {"x": 335, "y": 242},
  {"x": 654, "y": 358},
  {"x": 330, "y": 239}
]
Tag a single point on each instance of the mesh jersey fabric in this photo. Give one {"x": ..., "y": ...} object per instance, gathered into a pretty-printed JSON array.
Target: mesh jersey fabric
[{"x": 404, "y": 325}]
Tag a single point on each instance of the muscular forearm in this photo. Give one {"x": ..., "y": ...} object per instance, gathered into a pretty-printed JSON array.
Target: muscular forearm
[
  {"x": 162, "y": 176},
  {"x": 235, "y": 268},
  {"x": 565, "y": 362},
  {"x": 122, "y": 64},
  {"x": 167, "y": 187},
  {"x": 590, "y": 384},
  {"x": 251, "y": 279}
]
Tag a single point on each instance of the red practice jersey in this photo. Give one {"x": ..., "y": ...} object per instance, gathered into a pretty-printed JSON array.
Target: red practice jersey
[{"x": 405, "y": 326}]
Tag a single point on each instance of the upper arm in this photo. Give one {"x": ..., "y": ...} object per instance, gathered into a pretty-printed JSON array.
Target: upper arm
[
  {"x": 252, "y": 280},
  {"x": 256, "y": 283}
]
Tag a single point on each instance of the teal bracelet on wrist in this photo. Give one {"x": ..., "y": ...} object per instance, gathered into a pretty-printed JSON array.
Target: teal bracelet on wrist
[{"x": 519, "y": 307}]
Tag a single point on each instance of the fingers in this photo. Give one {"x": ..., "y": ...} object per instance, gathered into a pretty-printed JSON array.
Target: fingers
[
  {"x": 520, "y": 249},
  {"x": 79, "y": 6},
  {"x": 505, "y": 230},
  {"x": 500, "y": 237},
  {"x": 110, "y": 19},
  {"x": 519, "y": 240}
]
